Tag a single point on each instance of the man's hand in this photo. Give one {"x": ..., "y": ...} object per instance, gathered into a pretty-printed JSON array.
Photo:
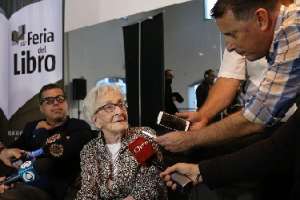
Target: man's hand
[
  {"x": 43, "y": 124},
  {"x": 175, "y": 141},
  {"x": 197, "y": 120},
  {"x": 7, "y": 154},
  {"x": 190, "y": 170},
  {"x": 2, "y": 186}
]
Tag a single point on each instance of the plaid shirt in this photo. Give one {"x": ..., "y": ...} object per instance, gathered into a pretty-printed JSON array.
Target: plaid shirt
[{"x": 281, "y": 83}]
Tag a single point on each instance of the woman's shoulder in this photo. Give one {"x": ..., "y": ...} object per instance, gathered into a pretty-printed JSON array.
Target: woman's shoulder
[
  {"x": 92, "y": 145},
  {"x": 142, "y": 130}
]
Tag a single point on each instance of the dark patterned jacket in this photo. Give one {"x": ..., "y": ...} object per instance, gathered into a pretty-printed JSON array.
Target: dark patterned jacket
[{"x": 141, "y": 182}]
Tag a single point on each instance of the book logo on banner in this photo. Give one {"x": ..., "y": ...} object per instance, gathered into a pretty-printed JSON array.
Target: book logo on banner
[
  {"x": 27, "y": 62},
  {"x": 16, "y": 36}
]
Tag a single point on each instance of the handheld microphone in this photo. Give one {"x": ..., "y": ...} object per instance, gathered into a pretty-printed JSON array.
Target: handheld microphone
[
  {"x": 144, "y": 152},
  {"x": 52, "y": 150},
  {"x": 26, "y": 173},
  {"x": 30, "y": 171},
  {"x": 27, "y": 156}
]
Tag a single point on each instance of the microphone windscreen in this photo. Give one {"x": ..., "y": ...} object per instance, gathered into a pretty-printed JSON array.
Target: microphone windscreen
[
  {"x": 27, "y": 172},
  {"x": 141, "y": 149},
  {"x": 36, "y": 153}
]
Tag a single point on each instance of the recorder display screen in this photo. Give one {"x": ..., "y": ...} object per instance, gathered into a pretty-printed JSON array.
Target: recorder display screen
[{"x": 172, "y": 122}]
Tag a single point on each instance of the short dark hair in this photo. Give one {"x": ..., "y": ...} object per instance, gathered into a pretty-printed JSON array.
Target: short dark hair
[
  {"x": 208, "y": 72},
  {"x": 167, "y": 71},
  {"x": 49, "y": 87},
  {"x": 242, "y": 9}
]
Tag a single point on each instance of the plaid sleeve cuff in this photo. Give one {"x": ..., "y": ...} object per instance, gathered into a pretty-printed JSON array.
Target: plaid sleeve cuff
[{"x": 260, "y": 114}]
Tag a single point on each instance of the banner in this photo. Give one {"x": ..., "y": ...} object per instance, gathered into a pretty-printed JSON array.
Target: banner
[
  {"x": 30, "y": 57},
  {"x": 32, "y": 54},
  {"x": 4, "y": 66}
]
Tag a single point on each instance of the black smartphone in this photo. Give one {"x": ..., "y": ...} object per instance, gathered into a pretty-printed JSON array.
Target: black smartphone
[{"x": 172, "y": 122}]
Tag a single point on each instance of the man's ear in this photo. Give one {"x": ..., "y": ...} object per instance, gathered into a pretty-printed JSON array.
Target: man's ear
[
  {"x": 41, "y": 109},
  {"x": 263, "y": 19}
]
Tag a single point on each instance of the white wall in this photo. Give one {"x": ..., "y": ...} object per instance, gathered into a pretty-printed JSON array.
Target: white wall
[
  {"x": 90, "y": 12},
  {"x": 97, "y": 51}
]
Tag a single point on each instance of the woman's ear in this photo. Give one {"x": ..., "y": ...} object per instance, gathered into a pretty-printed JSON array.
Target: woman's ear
[{"x": 96, "y": 121}]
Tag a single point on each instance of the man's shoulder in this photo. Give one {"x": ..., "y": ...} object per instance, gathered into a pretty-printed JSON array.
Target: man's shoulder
[
  {"x": 289, "y": 24},
  {"x": 32, "y": 124}
]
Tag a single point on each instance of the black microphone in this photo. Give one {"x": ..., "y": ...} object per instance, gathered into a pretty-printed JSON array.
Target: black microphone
[{"x": 144, "y": 152}]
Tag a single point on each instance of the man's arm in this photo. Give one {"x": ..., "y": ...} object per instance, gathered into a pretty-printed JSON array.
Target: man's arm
[
  {"x": 220, "y": 96},
  {"x": 233, "y": 126},
  {"x": 274, "y": 155}
]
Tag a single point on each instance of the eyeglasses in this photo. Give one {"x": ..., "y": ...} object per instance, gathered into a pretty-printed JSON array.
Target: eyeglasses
[
  {"x": 111, "y": 107},
  {"x": 51, "y": 100}
]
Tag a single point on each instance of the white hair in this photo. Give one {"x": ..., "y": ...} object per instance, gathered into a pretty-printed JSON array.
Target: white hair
[{"x": 90, "y": 103}]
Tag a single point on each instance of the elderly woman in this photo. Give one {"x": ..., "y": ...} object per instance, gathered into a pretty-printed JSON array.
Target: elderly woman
[{"x": 109, "y": 169}]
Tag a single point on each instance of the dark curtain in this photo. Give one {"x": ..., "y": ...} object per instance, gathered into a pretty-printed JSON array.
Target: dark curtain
[
  {"x": 131, "y": 48},
  {"x": 152, "y": 69},
  {"x": 145, "y": 84}
]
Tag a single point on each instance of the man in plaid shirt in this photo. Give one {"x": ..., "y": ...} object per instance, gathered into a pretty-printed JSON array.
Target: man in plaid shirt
[{"x": 254, "y": 29}]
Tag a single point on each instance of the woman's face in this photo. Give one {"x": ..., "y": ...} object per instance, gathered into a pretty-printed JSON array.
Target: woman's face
[{"x": 111, "y": 115}]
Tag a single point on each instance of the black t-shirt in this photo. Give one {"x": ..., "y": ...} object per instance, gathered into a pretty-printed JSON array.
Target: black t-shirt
[{"x": 64, "y": 169}]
